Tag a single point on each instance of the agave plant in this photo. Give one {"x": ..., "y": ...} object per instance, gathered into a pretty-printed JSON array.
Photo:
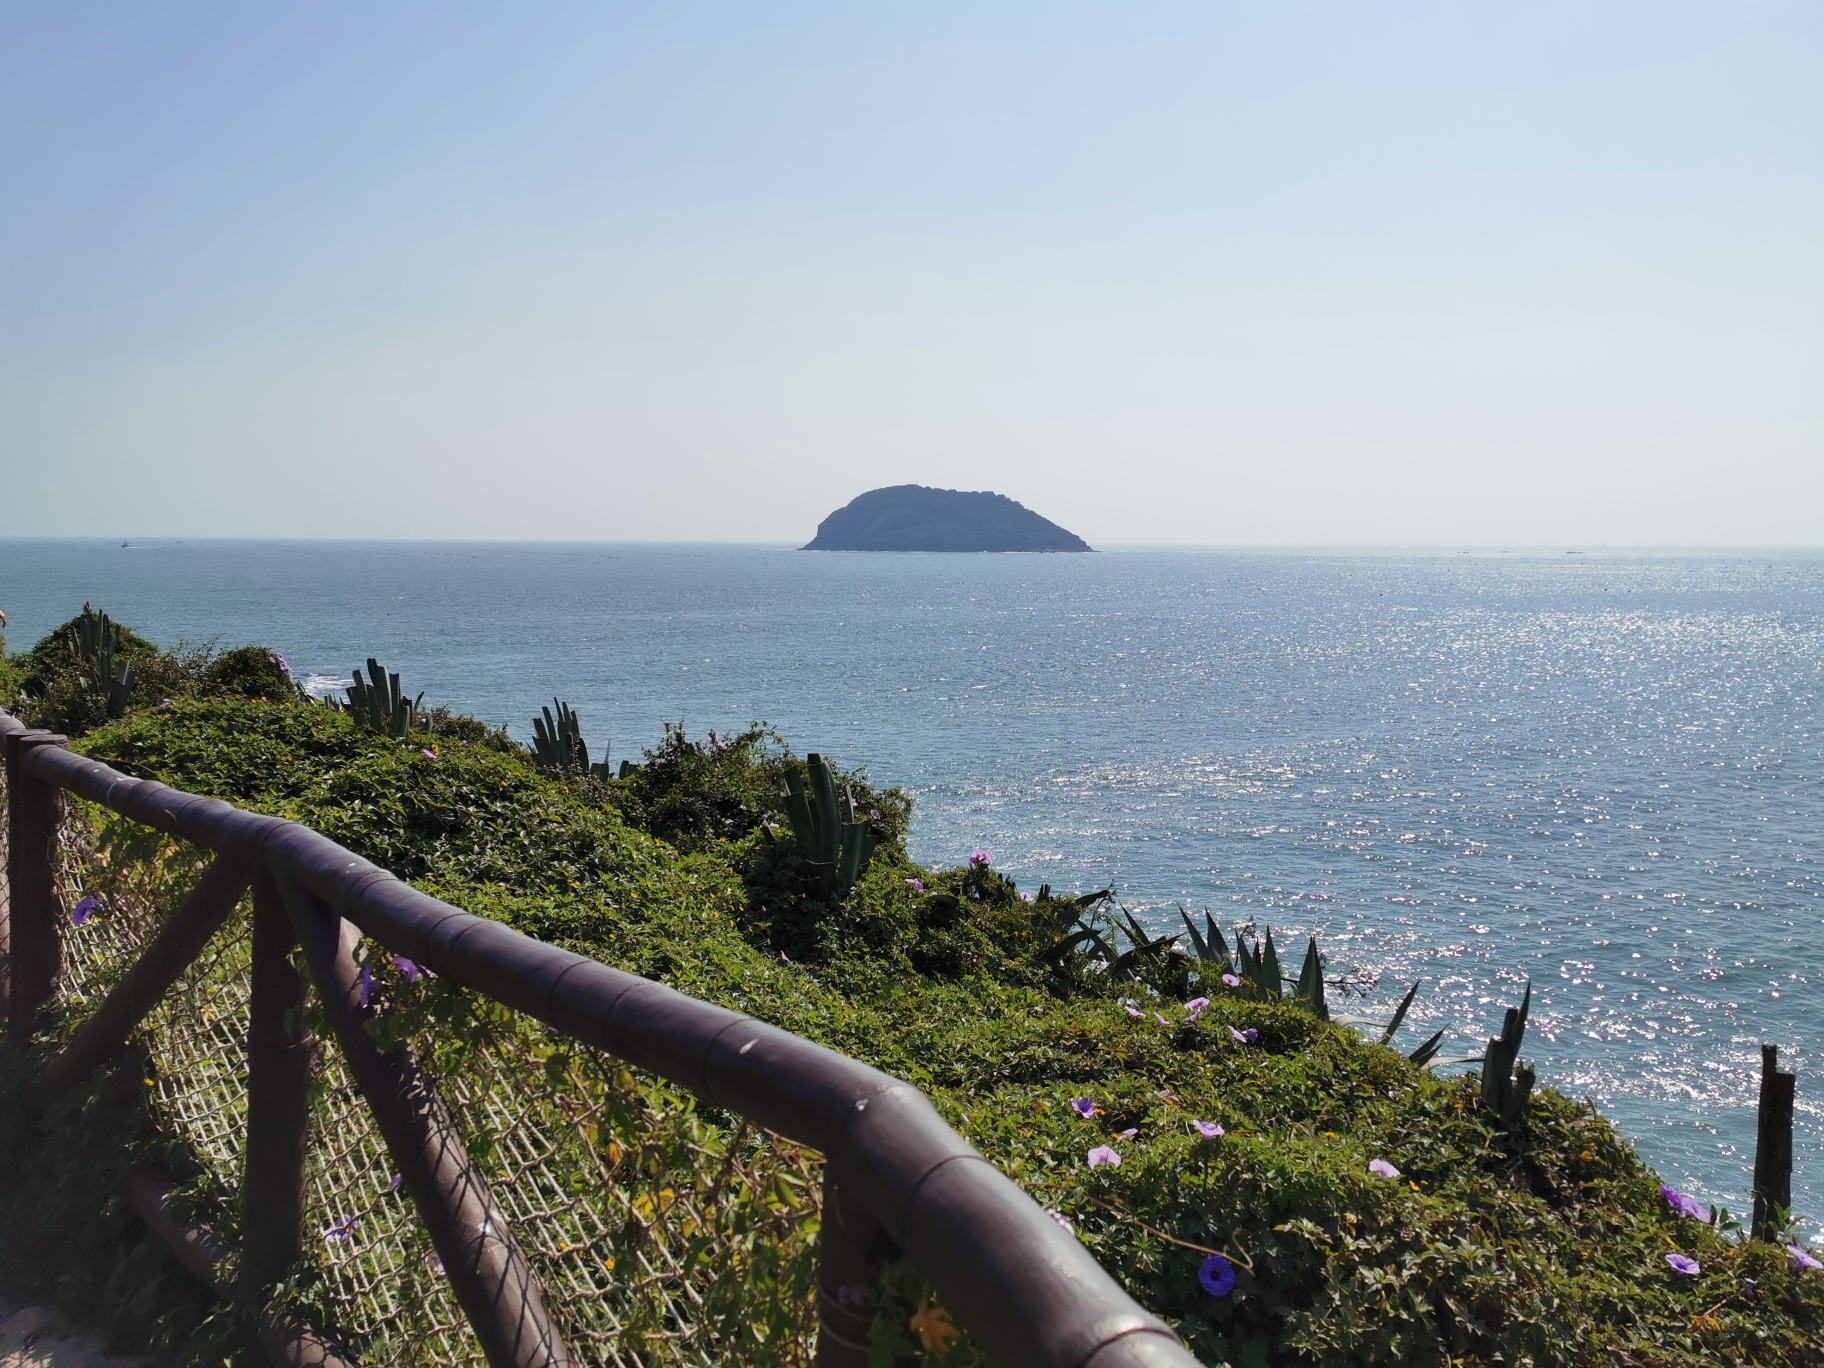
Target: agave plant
[
  {"x": 1308, "y": 993},
  {"x": 1147, "y": 957},
  {"x": 1425, "y": 1052},
  {"x": 116, "y": 684},
  {"x": 558, "y": 745},
  {"x": 1258, "y": 965},
  {"x": 97, "y": 639},
  {"x": 833, "y": 843},
  {"x": 93, "y": 633},
  {"x": 1211, "y": 948},
  {"x": 1073, "y": 927},
  {"x": 378, "y": 703},
  {"x": 1505, "y": 1084}
]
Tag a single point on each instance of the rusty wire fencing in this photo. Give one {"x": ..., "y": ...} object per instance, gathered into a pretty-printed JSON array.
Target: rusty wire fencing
[
  {"x": 659, "y": 1234},
  {"x": 413, "y": 1135}
]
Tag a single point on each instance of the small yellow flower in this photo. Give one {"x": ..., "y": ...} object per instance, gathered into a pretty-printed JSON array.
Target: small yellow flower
[{"x": 935, "y": 1331}]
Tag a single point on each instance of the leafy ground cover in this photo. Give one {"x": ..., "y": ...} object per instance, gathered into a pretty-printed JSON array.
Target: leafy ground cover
[{"x": 1278, "y": 1188}]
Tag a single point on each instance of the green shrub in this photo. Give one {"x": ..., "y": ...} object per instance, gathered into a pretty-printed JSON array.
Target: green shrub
[
  {"x": 249, "y": 672},
  {"x": 64, "y": 692},
  {"x": 1543, "y": 1246}
]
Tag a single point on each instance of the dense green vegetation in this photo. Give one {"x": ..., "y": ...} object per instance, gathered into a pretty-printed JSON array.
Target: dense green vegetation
[{"x": 1542, "y": 1241}]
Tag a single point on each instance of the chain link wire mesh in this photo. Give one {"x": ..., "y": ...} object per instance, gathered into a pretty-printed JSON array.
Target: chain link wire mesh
[{"x": 661, "y": 1232}]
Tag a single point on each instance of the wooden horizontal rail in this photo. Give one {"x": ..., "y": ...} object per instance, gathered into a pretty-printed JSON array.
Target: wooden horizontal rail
[{"x": 1027, "y": 1288}]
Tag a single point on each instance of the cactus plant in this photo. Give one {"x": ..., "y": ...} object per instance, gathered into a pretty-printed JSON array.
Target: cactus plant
[
  {"x": 1506, "y": 1087},
  {"x": 378, "y": 703},
  {"x": 836, "y": 847},
  {"x": 558, "y": 745}
]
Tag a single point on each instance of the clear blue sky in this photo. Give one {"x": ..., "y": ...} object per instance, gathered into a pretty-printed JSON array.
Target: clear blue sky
[{"x": 1278, "y": 273}]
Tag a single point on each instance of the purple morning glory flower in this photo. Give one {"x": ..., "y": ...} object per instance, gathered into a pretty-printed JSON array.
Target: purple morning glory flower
[
  {"x": 341, "y": 1231},
  {"x": 367, "y": 982},
  {"x": 1195, "y": 1006},
  {"x": 980, "y": 859},
  {"x": 1062, "y": 1220},
  {"x": 1129, "y": 1133},
  {"x": 398, "y": 1181},
  {"x": 1162, "y": 1020},
  {"x": 874, "y": 814},
  {"x": 1684, "y": 1265},
  {"x": 83, "y": 910},
  {"x": 279, "y": 660},
  {"x": 1209, "y": 1130},
  {"x": 1083, "y": 1107},
  {"x": 1104, "y": 1157},
  {"x": 407, "y": 967},
  {"x": 1380, "y": 1168},
  {"x": 916, "y": 885},
  {"x": 1800, "y": 1257},
  {"x": 1133, "y": 1012},
  {"x": 1216, "y": 1275},
  {"x": 435, "y": 1260},
  {"x": 1247, "y": 1037},
  {"x": 1231, "y": 980},
  {"x": 1681, "y": 1204},
  {"x": 428, "y": 755}
]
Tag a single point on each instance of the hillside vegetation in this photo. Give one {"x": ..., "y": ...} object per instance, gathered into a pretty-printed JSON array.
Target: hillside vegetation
[{"x": 1085, "y": 1068}]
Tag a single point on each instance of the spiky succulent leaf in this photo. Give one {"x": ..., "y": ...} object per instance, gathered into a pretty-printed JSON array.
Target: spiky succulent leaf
[
  {"x": 1428, "y": 1051},
  {"x": 1400, "y": 1015}
]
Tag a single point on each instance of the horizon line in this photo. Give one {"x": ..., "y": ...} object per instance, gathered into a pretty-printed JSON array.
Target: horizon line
[{"x": 153, "y": 541}]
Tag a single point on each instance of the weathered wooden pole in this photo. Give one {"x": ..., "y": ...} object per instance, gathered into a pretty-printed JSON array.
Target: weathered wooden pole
[
  {"x": 278, "y": 1102},
  {"x": 485, "y": 1266},
  {"x": 35, "y": 922},
  {"x": 1773, "y": 1147}
]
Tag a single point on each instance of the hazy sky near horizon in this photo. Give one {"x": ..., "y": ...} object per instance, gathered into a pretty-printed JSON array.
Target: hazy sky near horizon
[{"x": 1191, "y": 274}]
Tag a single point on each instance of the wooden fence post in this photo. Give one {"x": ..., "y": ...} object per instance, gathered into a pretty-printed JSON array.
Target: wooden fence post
[
  {"x": 35, "y": 922},
  {"x": 1773, "y": 1146},
  {"x": 278, "y": 1102},
  {"x": 487, "y": 1269},
  {"x": 850, "y": 1247}
]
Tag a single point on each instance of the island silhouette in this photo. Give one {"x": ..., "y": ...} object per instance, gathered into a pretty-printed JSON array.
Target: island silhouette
[{"x": 918, "y": 518}]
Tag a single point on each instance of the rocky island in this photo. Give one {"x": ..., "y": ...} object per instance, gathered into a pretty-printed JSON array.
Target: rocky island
[{"x": 917, "y": 518}]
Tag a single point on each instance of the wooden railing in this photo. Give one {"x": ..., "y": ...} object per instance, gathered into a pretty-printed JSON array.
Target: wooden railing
[{"x": 897, "y": 1180}]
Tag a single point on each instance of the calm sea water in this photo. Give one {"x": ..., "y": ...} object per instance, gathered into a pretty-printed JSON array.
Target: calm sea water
[{"x": 1601, "y": 773}]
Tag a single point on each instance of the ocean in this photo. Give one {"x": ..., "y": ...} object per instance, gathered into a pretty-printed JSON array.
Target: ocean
[{"x": 1601, "y": 773}]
